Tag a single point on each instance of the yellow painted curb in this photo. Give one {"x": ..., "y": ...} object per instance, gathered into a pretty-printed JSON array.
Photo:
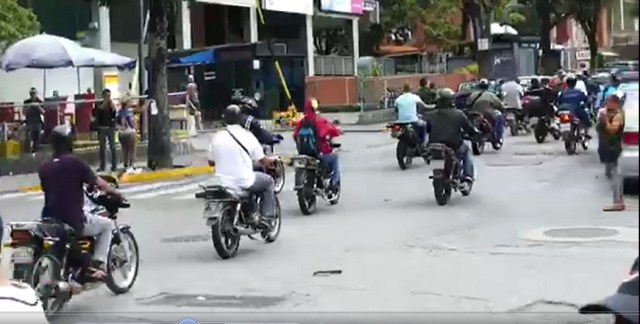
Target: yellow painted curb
[{"x": 167, "y": 174}]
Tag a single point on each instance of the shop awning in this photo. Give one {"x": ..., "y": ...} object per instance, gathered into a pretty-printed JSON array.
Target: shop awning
[
  {"x": 213, "y": 54},
  {"x": 204, "y": 57}
]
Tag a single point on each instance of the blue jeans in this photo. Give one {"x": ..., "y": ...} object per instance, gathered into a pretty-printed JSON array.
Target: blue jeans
[
  {"x": 583, "y": 116},
  {"x": 421, "y": 128},
  {"x": 467, "y": 164},
  {"x": 331, "y": 162}
]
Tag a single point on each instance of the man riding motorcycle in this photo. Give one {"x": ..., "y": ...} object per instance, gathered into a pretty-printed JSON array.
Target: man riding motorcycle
[
  {"x": 62, "y": 180},
  {"x": 447, "y": 126},
  {"x": 313, "y": 135},
  {"x": 407, "y": 107},
  {"x": 574, "y": 100},
  {"x": 488, "y": 104},
  {"x": 248, "y": 120}
]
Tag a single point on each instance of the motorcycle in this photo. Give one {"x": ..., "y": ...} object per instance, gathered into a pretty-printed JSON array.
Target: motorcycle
[
  {"x": 515, "y": 120},
  {"x": 40, "y": 254},
  {"x": 313, "y": 179},
  {"x": 572, "y": 132},
  {"x": 488, "y": 133},
  {"x": 543, "y": 126},
  {"x": 408, "y": 145},
  {"x": 277, "y": 172},
  {"x": 446, "y": 177},
  {"x": 230, "y": 215}
]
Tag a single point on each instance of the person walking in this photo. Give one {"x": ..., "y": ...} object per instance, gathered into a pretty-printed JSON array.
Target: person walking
[
  {"x": 105, "y": 114},
  {"x": 34, "y": 118},
  {"x": 127, "y": 135},
  {"x": 610, "y": 126}
]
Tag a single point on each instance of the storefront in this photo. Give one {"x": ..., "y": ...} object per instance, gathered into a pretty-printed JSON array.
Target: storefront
[
  {"x": 341, "y": 16},
  {"x": 217, "y": 22}
]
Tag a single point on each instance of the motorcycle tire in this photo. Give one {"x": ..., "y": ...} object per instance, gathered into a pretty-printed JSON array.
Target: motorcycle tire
[
  {"x": 441, "y": 191},
  {"x": 402, "y": 151},
  {"x": 272, "y": 236},
  {"x": 50, "y": 263},
  {"x": 497, "y": 144},
  {"x": 467, "y": 191},
  {"x": 570, "y": 145},
  {"x": 585, "y": 143},
  {"x": 278, "y": 175},
  {"x": 477, "y": 147},
  {"x": 218, "y": 239},
  {"x": 556, "y": 135},
  {"x": 307, "y": 202},
  {"x": 540, "y": 134},
  {"x": 513, "y": 129},
  {"x": 336, "y": 198},
  {"x": 110, "y": 281}
]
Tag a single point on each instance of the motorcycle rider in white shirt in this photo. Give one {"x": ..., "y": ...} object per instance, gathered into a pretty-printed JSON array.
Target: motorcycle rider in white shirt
[{"x": 232, "y": 152}]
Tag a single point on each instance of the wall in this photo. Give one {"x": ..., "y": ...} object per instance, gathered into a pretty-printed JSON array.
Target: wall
[{"x": 343, "y": 91}]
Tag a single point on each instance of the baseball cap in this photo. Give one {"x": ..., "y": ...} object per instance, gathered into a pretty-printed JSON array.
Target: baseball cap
[{"x": 624, "y": 302}]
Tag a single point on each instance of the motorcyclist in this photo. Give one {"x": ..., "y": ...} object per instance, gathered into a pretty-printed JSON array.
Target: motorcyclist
[
  {"x": 407, "y": 106},
  {"x": 427, "y": 92},
  {"x": 447, "y": 126},
  {"x": 250, "y": 122},
  {"x": 611, "y": 88},
  {"x": 62, "y": 180},
  {"x": 488, "y": 104},
  {"x": 574, "y": 100},
  {"x": 314, "y": 130},
  {"x": 513, "y": 93}
]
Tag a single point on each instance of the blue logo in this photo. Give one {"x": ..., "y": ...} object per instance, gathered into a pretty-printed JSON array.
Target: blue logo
[{"x": 187, "y": 321}]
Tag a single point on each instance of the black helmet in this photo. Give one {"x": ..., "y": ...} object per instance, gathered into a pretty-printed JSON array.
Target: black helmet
[
  {"x": 483, "y": 84},
  {"x": 61, "y": 140},
  {"x": 445, "y": 98}
]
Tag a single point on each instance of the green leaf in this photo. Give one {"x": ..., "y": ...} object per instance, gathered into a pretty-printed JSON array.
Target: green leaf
[{"x": 16, "y": 23}]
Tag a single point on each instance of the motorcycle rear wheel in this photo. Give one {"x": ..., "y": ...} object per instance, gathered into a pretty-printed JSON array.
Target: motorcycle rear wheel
[
  {"x": 540, "y": 134},
  {"x": 442, "y": 192},
  {"x": 402, "y": 151},
  {"x": 225, "y": 244},
  {"x": 47, "y": 291},
  {"x": 307, "y": 202},
  {"x": 477, "y": 147},
  {"x": 570, "y": 146},
  {"x": 513, "y": 128}
]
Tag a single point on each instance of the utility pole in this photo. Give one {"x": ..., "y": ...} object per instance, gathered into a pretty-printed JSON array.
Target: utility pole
[{"x": 141, "y": 38}]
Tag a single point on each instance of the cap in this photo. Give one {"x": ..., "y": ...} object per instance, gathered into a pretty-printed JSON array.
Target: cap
[{"x": 623, "y": 303}]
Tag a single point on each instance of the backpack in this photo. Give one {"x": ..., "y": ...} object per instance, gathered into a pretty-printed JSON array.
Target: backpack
[{"x": 307, "y": 142}]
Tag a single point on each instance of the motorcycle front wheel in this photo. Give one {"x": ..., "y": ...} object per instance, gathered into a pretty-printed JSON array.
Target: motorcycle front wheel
[
  {"x": 271, "y": 236},
  {"x": 123, "y": 259},
  {"x": 278, "y": 175}
]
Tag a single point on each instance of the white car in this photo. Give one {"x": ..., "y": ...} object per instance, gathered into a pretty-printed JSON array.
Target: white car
[{"x": 628, "y": 162}]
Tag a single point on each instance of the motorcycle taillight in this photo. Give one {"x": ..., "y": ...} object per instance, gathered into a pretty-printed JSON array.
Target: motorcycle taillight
[{"x": 20, "y": 236}]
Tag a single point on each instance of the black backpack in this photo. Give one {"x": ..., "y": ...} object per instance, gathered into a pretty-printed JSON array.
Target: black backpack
[{"x": 307, "y": 142}]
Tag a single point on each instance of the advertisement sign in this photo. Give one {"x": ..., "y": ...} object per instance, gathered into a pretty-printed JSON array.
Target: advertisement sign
[
  {"x": 350, "y": 7},
  {"x": 369, "y": 5},
  {"x": 303, "y": 7}
]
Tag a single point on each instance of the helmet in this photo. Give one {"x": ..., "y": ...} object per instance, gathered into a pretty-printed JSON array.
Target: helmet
[
  {"x": 61, "y": 140},
  {"x": 311, "y": 105},
  {"x": 445, "y": 98},
  {"x": 483, "y": 84}
]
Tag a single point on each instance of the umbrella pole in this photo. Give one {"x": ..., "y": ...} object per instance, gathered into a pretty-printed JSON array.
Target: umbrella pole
[
  {"x": 44, "y": 84},
  {"x": 78, "y": 79}
]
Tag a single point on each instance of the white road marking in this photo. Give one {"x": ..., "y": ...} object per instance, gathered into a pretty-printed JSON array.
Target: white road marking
[
  {"x": 163, "y": 192},
  {"x": 18, "y": 195}
]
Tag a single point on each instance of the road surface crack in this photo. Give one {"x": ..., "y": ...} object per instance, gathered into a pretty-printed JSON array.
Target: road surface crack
[
  {"x": 544, "y": 302},
  {"x": 434, "y": 293}
]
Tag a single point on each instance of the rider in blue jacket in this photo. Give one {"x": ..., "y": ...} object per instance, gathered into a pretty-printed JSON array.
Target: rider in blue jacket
[{"x": 574, "y": 100}]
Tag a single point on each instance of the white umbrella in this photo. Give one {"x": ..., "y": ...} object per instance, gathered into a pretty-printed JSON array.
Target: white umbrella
[
  {"x": 44, "y": 52},
  {"x": 107, "y": 59}
]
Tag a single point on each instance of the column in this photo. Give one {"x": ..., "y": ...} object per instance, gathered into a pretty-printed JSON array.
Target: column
[
  {"x": 311, "y": 63},
  {"x": 253, "y": 25},
  {"x": 100, "y": 16},
  {"x": 356, "y": 43},
  {"x": 185, "y": 25}
]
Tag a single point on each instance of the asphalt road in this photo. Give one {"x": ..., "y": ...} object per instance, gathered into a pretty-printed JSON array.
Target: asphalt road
[{"x": 397, "y": 250}]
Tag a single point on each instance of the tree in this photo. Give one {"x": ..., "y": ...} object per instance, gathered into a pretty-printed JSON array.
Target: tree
[
  {"x": 437, "y": 16},
  {"x": 587, "y": 14},
  {"x": 159, "y": 149},
  {"x": 16, "y": 23}
]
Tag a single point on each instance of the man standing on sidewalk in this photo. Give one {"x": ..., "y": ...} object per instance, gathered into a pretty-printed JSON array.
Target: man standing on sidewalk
[
  {"x": 34, "y": 118},
  {"x": 105, "y": 114}
]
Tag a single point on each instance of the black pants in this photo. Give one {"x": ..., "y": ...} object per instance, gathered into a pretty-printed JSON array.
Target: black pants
[
  {"x": 107, "y": 134},
  {"x": 34, "y": 137}
]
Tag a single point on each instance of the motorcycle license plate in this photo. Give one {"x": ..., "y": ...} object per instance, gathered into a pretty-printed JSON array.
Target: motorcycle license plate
[
  {"x": 437, "y": 164},
  {"x": 565, "y": 127},
  {"x": 212, "y": 209},
  {"x": 22, "y": 255},
  {"x": 511, "y": 116}
]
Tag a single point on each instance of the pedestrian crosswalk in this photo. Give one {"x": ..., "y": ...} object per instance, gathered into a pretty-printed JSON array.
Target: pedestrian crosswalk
[{"x": 174, "y": 190}]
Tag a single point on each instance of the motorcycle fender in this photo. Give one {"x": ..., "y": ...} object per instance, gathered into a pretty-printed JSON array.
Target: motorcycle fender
[
  {"x": 300, "y": 179},
  {"x": 212, "y": 221},
  {"x": 121, "y": 228}
]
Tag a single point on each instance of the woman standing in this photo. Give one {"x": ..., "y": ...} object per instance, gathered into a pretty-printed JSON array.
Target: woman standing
[
  {"x": 127, "y": 133},
  {"x": 611, "y": 126}
]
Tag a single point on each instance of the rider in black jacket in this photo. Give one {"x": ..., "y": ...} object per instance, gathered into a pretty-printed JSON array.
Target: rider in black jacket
[
  {"x": 448, "y": 125},
  {"x": 249, "y": 108}
]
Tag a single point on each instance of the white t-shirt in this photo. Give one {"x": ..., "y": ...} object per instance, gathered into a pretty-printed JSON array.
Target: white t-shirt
[
  {"x": 512, "y": 94},
  {"x": 19, "y": 304},
  {"x": 580, "y": 85},
  {"x": 234, "y": 167}
]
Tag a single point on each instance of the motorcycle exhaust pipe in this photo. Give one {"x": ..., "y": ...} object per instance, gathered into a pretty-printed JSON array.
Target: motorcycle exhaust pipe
[{"x": 243, "y": 231}]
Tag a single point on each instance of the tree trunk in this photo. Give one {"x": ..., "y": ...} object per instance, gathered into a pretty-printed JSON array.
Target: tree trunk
[
  {"x": 159, "y": 149},
  {"x": 593, "y": 47},
  {"x": 547, "y": 66}
]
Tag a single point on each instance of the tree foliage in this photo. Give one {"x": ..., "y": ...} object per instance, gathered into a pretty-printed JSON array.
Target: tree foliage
[
  {"x": 587, "y": 14},
  {"x": 16, "y": 23}
]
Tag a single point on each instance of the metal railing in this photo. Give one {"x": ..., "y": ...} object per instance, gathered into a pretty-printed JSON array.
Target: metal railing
[{"x": 333, "y": 65}]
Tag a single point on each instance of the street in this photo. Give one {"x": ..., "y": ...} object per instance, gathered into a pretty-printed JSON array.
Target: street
[{"x": 396, "y": 249}]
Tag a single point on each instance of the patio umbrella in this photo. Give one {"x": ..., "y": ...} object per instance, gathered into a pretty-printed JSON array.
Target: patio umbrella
[
  {"x": 44, "y": 52},
  {"x": 107, "y": 59}
]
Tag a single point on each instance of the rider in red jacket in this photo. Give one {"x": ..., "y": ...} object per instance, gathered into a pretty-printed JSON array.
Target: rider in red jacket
[{"x": 325, "y": 132}]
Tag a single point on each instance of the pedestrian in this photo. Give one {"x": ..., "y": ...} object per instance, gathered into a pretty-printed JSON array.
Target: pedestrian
[
  {"x": 610, "y": 126},
  {"x": 18, "y": 301},
  {"x": 193, "y": 108},
  {"x": 127, "y": 135},
  {"x": 105, "y": 114},
  {"x": 34, "y": 118}
]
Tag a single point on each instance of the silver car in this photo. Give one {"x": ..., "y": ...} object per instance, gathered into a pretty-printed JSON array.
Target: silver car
[{"x": 628, "y": 162}]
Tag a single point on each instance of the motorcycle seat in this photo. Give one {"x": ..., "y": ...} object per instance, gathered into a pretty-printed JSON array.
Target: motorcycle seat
[{"x": 223, "y": 192}]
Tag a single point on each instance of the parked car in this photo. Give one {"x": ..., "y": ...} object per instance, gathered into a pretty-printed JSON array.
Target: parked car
[
  {"x": 622, "y": 66},
  {"x": 628, "y": 161}
]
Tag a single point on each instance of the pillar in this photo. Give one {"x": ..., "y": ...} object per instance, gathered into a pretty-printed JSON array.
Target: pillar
[
  {"x": 185, "y": 26},
  {"x": 311, "y": 63},
  {"x": 253, "y": 25},
  {"x": 356, "y": 43},
  {"x": 100, "y": 16}
]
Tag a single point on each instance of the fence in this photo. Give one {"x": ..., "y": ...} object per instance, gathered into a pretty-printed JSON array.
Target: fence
[{"x": 333, "y": 65}]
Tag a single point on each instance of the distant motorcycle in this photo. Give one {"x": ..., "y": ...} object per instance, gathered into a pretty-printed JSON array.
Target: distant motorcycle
[
  {"x": 515, "y": 121},
  {"x": 312, "y": 180},
  {"x": 488, "y": 133},
  {"x": 409, "y": 144},
  {"x": 446, "y": 177},
  {"x": 231, "y": 214},
  {"x": 543, "y": 126},
  {"x": 572, "y": 132}
]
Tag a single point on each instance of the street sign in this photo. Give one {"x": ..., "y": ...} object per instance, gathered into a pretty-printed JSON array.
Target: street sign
[
  {"x": 583, "y": 55},
  {"x": 483, "y": 44}
]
